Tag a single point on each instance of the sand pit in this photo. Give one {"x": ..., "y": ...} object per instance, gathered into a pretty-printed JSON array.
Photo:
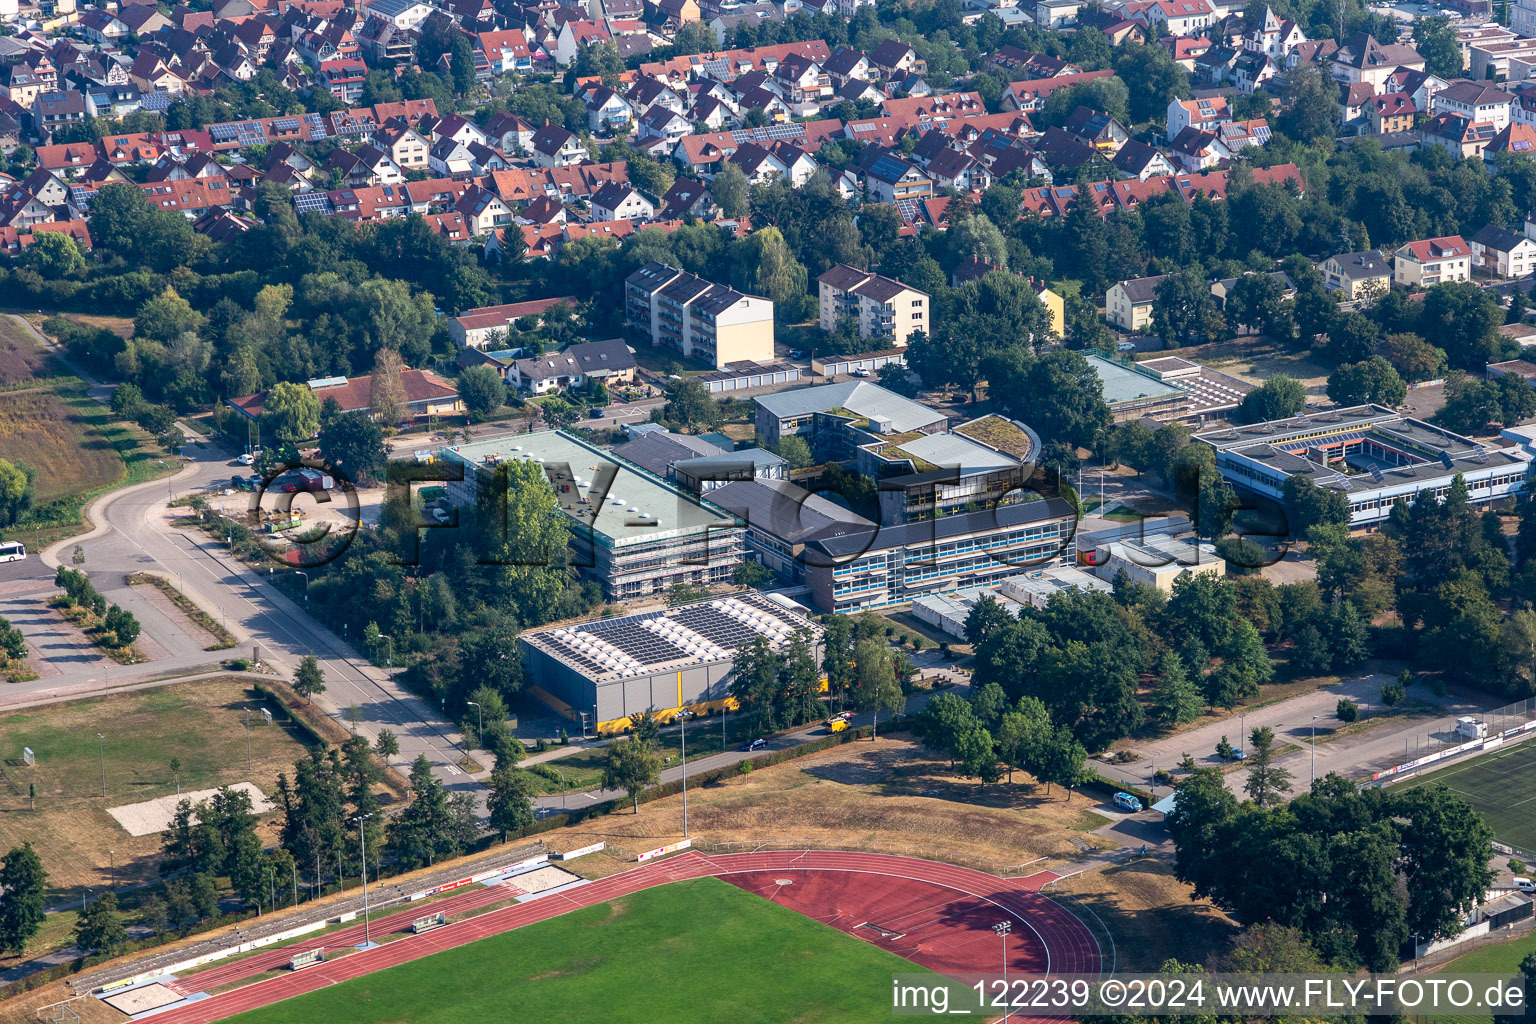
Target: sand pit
[
  {"x": 540, "y": 879},
  {"x": 146, "y": 997},
  {"x": 154, "y": 816}
]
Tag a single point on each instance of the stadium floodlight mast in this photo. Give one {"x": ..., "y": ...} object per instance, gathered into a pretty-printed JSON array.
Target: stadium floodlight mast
[
  {"x": 682, "y": 719},
  {"x": 362, "y": 837},
  {"x": 1003, "y": 928}
]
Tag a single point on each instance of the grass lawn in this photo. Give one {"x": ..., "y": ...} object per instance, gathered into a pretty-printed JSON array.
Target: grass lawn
[
  {"x": 584, "y": 770},
  {"x": 1499, "y": 786},
  {"x": 199, "y": 723},
  {"x": 728, "y": 956},
  {"x": 1495, "y": 958}
]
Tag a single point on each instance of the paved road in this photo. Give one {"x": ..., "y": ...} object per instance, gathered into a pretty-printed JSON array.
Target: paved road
[
  {"x": 1351, "y": 755},
  {"x": 132, "y": 533}
]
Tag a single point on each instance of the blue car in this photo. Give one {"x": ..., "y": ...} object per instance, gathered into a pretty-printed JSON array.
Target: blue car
[{"x": 1126, "y": 802}]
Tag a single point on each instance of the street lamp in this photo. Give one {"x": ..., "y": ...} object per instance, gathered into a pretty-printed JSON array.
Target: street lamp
[
  {"x": 386, "y": 636},
  {"x": 480, "y": 716},
  {"x": 306, "y": 585},
  {"x": 1242, "y": 728},
  {"x": 112, "y": 859},
  {"x": 362, "y": 837},
  {"x": 1314, "y": 748},
  {"x": 101, "y": 750},
  {"x": 245, "y": 720},
  {"x": 1002, "y": 928}
]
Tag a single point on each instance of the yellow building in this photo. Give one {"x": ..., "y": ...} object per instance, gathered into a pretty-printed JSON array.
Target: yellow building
[{"x": 698, "y": 318}]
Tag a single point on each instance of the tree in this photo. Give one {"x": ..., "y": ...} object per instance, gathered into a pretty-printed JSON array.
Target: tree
[
  {"x": 690, "y": 407},
  {"x": 1152, "y": 78},
  {"x": 977, "y": 238},
  {"x": 1346, "y": 710},
  {"x": 631, "y": 766},
  {"x": 24, "y": 884},
  {"x": 123, "y": 626},
  {"x": 99, "y": 929},
  {"x": 878, "y": 689},
  {"x": 1022, "y": 735},
  {"x": 1435, "y": 39},
  {"x": 1266, "y": 780},
  {"x": 427, "y": 828},
  {"x": 17, "y": 491},
  {"x": 166, "y": 317},
  {"x": 1077, "y": 414},
  {"x": 1278, "y": 398},
  {"x": 482, "y": 390},
  {"x": 730, "y": 190},
  {"x": 1314, "y": 111},
  {"x": 387, "y": 394},
  {"x": 1528, "y": 974},
  {"x": 751, "y": 573},
  {"x": 1414, "y": 358},
  {"x": 794, "y": 450},
  {"x": 291, "y": 412},
  {"x": 1178, "y": 699},
  {"x": 1184, "y": 311},
  {"x": 53, "y": 254},
  {"x": 1372, "y": 380},
  {"x": 941, "y": 722},
  {"x": 352, "y": 441},
  {"x": 1061, "y": 760},
  {"x": 1446, "y": 847},
  {"x": 309, "y": 679},
  {"x": 510, "y": 804},
  {"x": 1465, "y": 320},
  {"x": 1309, "y": 506}
]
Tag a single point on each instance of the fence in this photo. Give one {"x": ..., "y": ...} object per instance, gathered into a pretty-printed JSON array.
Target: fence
[
  {"x": 862, "y": 846},
  {"x": 1440, "y": 743}
]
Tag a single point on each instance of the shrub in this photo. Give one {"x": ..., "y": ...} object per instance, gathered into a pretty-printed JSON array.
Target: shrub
[{"x": 1347, "y": 710}]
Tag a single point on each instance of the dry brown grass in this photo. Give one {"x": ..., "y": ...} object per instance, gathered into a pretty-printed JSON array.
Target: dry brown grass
[
  {"x": 40, "y": 429},
  {"x": 892, "y": 791},
  {"x": 198, "y": 723},
  {"x": 1150, "y": 914},
  {"x": 21, "y": 360},
  {"x": 22, "y": 1009}
]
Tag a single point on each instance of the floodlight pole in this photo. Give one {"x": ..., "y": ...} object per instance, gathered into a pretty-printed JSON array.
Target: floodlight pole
[
  {"x": 362, "y": 837},
  {"x": 245, "y": 720},
  {"x": 101, "y": 750},
  {"x": 1002, "y": 928},
  {"x": 1314, "y": 748},
  {"x": 682, "y": 720}
]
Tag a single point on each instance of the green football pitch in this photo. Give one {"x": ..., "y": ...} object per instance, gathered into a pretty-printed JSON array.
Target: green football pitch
[
  {"x": 697, "y": 951},
  {"x": 1501, "y": 785}
]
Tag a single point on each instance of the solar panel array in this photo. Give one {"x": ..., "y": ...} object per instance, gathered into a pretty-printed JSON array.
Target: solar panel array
[
  {"x": 223, "y": 132},
  {"x": 312, "y": 202},
  {"x": 769, "y": 133},
  {"x": 316, "y": 125},
  {"x": 701, "y": 633},
  {"x": 908, "y": 210},
  {"x": 81, "y": 195}
]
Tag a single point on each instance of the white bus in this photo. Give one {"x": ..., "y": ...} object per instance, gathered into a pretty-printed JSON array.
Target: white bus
[{"x": 12, "y": 551}]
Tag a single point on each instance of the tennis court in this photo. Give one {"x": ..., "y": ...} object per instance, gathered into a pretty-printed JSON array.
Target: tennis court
[{"x": 1501, "y": 785}]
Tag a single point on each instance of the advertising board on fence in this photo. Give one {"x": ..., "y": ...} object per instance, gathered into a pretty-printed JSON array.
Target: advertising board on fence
[
  {"x": 1440, "y": 755},
  {"x": 662, "y": 851},
  {"x": 582, "y": 852}
]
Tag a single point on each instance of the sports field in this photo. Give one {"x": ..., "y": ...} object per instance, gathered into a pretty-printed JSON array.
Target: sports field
[
  {"x": 1502, "y": 785},
  {"x": 695, "y": 951}
]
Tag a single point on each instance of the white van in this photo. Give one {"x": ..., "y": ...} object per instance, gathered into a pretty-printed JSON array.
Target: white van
[
  {"x": 12, "y": 551},
  {"x": 1525, "y": 884}
]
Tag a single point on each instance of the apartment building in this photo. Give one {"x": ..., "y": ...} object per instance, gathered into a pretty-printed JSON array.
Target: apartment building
[
  {"x": 1432, "y": 261},
  {"x": 697, "y": 318},
  {"x": 882, "y": 306}
]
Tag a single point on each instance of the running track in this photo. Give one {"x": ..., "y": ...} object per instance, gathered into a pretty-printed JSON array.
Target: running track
[{"x": 933, "y": 914}]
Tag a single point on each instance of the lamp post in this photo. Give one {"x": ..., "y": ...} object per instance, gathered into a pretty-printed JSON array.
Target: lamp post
[
  {"x": 112, "y": 860},
  {"x": 1314, "y": 748},
  {"x": 306, "y": 585},
  {"x": 101, "y": 750},
  {"x": 1002, "y": 928},
  {"x": 480, "y": 728},
  {"x": 362, "y": 837},
  {"x": 385, "y": 636}
]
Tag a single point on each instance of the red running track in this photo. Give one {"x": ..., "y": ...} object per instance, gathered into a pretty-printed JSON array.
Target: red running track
[
  {"x": 936, "y": 915},
  {"x": 216, "y": 977}
]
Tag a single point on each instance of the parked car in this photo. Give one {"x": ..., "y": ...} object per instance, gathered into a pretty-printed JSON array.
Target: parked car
[
  {"x": 247, "y": 459},
  {"x": 440, "y": 515},
  {"x": 757, "y": 744},
  {"x": 1126, "y": 346},
  {"x": 1126, "y": 802},
  {"x": 595, "y": 413}
]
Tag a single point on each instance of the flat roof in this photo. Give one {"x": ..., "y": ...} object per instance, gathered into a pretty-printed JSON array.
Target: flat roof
[
  {"x": 861, "y": 397},
  {"x": 785, "y": 510},
  {"x": 949, "y": 451},
  {"x": 638, "y": 507},
  {"x": 707, "y": 633},
  {"x": 1122, "y": 384},
  {"x": 857, "y": 540}
]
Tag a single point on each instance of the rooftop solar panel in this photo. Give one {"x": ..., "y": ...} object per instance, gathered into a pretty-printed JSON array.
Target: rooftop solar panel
[{"x": 312, "y": 202}]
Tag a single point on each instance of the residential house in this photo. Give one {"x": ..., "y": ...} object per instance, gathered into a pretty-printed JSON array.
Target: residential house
[
  {"x": 610, "y": 362},
  {"x": 1138, "y": 160},
  {"x": 450, "y": 159},
  {"x": 1477, "y": 102},
  {"x": 1360, "y": 58},
  {"x": 1389, "y": 113},
  {"x": 889, "y": 179},
  {"x": 1170, "y": 17},
  {"x": 1206, "y": 114},
  {"x": 553, "y": 146},
  {"x": 606, "y": 109},
  {"x": 1457, "y": 135},
  {"x": 1128, "y": 305},
  {"x": 1503, "y": 253},
  {"x": 489, "y": 326},
  {"x": 1197, "y": 150},
  {"x": 881, "y": 306},
  {"x": 423, "y": 394},
  {"x": 1432, "y": 261},
  {"x": 621, "y": 201},
  {"x": 1029, "y": 96},
  {"x": 893, "y": 58}
]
